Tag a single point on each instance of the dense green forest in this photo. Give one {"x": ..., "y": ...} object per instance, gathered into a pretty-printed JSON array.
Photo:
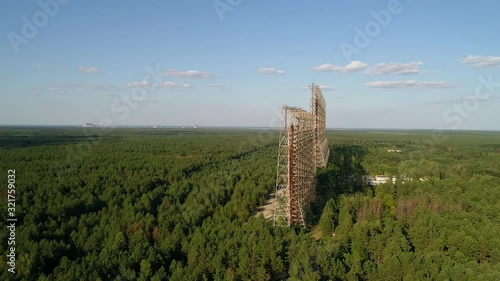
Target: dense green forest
[{"x": 167, "y": 204}]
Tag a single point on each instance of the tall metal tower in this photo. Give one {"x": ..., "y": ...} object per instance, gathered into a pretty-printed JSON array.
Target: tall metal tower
[
  {"x": 318, "y": 110},
  {"x": 302, "y": 148}
]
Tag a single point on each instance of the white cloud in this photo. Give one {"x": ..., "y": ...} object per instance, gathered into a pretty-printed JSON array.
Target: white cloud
[
  {"x": 308, "y": 89},
  {"x": 189, "y": 74},
  {"x": 58, "y": 88},
  {"x": 90, "y": 69},
  {"x": 270, "y": 71},
  {"x": 140, "y": 84},
  {"x": 434, "y": 84},
  {"x": 81, "y": 86},
  {"x": 351, "y": 67},
  {"x": 95, "y": 86},
  {"x": 408, "y": 84},
  {"x": 173, "y": 85},
  {"x": 481, "y": 61},
  {"x": 326, "y": 88},
  {"x": 395, "y": 68},
  {"x": 391, "y": 84},
  {"x": 149, "y": 85},
  {"x": 442, "y": 101},
  {"x": 71, "y": 88},
  {"x": 216, "y": 85}
]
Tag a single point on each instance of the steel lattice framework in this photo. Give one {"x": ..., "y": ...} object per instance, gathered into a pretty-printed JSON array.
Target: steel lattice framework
[
  {"x": 302, "y": 147},
  {"x": 318, "y": 110}
]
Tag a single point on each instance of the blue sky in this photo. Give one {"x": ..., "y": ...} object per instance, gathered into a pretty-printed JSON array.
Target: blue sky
[{"x": 381, "y": 64}]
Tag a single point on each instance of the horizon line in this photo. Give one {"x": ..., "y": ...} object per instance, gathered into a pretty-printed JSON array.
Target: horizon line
[{"x": 239, "y": 126}]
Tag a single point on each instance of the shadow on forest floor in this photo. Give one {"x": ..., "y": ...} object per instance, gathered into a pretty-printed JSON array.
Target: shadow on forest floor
[{"x": 342, "y": 175}]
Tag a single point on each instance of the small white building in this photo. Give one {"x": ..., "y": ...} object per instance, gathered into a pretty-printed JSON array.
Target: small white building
[{"x": 378, "y": 179}]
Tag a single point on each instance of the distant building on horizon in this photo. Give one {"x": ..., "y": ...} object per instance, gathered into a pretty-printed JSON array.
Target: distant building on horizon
[{"x": 88, "y": 125}]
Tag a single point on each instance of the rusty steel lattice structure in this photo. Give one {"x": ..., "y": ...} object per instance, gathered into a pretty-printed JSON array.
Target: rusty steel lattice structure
[
  {"x": 302, "y": 148},
  {"x": 318, "y": 110}
]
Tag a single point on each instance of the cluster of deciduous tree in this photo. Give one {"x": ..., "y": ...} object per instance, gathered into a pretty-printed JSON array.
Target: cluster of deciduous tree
[{"x": 172, "y": 204}]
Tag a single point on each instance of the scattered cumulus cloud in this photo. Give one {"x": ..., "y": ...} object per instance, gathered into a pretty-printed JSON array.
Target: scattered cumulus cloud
[
  {"x": 351, "y": 67},
  {"x": 442, "y": 101},
  {"x": 326, "y": 88},
  {"x": 81, "y": 86},
  {"x": 140, "y": 84},
  {"x": 308, "y": 89},
  {"x": 216, "y": 85},
  {"x": 149, "y": 85},
  {"x": 434, "y": 84},
  {"x": 394, "y": 68},
  {"x": 270, "y": 71},
  {"x": 95, "y": 86},
  {"x": 481, "y": 61},
  {"x": 409, "y": 84},
  {"x": 90, "y": 69},
  {"x": 58, "y": 88},
  {"x": 188, "y": 74},
  {"x": 173, "y": 85}
]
